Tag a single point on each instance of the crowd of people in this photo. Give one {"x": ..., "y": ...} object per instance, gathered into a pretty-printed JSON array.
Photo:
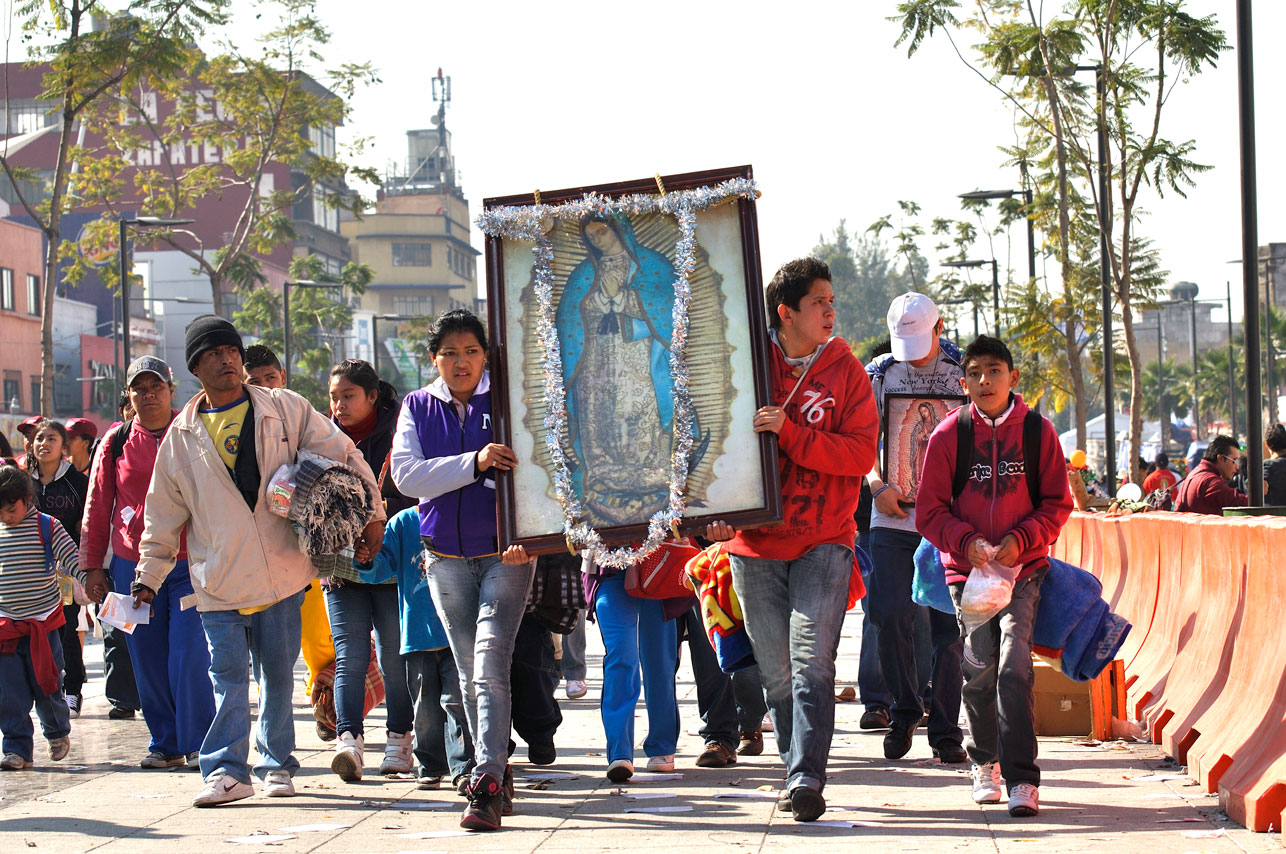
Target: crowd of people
[{"x": 448, "y": 626}]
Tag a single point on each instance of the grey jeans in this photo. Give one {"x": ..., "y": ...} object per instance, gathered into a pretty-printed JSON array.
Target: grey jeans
[{"x": 998, "y": 692}]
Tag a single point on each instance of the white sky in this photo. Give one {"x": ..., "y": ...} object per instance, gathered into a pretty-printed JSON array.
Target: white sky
[{"x": 837, "y": 122}]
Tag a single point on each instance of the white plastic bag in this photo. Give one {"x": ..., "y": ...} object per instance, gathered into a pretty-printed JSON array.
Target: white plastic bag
[{"x": 987, "y": 591}]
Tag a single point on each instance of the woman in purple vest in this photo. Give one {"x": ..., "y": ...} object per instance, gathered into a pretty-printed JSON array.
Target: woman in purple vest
[{"x": 443, "y": 455}]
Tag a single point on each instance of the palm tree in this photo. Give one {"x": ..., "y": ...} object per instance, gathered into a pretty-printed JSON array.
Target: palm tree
[{"x": 1166, "y": 392}]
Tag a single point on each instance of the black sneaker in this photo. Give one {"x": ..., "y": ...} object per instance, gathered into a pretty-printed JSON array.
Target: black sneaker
[
  {"x": 783, "y": 799},
  {"x": 542, "y": 754},
  {"x": 950, "y": 752},
  {"x": 806, "y": 804},
  {"x": 486, "y": 798},
  {"x": 898, "y": 741},
  {"x": 876, "y": 717},
  {"x": 325, "y": 731},
  {"x": 74, "y": 702},
  {"x": 119, "y": 713},
  {"x": 507, "y": 792}
]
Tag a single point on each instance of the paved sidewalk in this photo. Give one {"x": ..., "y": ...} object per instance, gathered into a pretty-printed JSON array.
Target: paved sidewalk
[{"x": 1113, "y": 797}]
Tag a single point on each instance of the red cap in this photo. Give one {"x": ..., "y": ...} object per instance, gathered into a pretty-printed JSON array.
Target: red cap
[
  {"x": 28, "y": 427},
  {"x": 82, "y": 427}
]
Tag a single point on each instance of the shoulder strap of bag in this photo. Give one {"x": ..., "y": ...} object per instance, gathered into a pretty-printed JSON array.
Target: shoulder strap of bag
[
  {"x": 46, "y": 539},
  {"x": 964, "y": 450},
  {"x": 1031, "y": 455},
  {"x": 118, "y": 439}
]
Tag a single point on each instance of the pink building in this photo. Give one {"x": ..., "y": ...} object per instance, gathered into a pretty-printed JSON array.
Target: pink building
[{"x": 21, "y": 302}]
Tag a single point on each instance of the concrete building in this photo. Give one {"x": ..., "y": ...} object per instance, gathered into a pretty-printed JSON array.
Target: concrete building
[
  {"x": 417, "y": 242},
  {"x": 1171, "y": 326}
]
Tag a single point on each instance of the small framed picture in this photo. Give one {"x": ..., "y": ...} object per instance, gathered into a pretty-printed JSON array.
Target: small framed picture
[{"x": 909, "y": 421}]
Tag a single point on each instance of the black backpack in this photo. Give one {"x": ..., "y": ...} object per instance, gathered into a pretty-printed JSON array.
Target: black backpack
[
  {"x": 118, "y": 439},
  {"x": 1031, "y": 452}
]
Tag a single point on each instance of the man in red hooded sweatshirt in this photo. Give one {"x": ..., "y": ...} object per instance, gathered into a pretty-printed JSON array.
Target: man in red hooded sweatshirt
[
  {"x": 792, "y": 579},
  {"x": 995, "y": 509}
]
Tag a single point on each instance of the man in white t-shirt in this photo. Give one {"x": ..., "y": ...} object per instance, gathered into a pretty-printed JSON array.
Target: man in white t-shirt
[{"x": 921, "y": 362}]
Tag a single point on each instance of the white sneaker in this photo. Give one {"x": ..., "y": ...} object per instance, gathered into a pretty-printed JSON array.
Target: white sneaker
[
  {"x": 347, "y": 762},
  {"x": 1024, "y": 800},
  {"x": 575, "y": 689},
  {"x": 397, "y": 753},
  {"x": 986, "y": 783},
  {"x": 661, "y": 763},
  {"x": 766, "y": 724},
  {"x": 222, "y": 789},
  {"x": 277, "y": 784}
]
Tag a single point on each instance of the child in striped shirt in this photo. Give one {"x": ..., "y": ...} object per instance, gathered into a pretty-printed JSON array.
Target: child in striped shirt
[{"x": 31, "y": 613}]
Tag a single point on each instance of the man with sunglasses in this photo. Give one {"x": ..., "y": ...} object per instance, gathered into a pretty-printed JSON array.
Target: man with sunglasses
[{"x": 1206, "y": 489}]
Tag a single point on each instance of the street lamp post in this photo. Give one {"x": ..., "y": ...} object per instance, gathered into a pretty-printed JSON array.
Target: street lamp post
[
  {"x": 995, "y": 289},
  {"x": 285, "y": 313},
  {"x": 986, "y": 195},
  {"x": 123, "y": 256},
  {"x": 1250, "y": 246}
]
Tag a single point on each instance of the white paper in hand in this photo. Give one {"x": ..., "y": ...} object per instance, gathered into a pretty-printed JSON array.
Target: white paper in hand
[{"x": 118, "y": 611}]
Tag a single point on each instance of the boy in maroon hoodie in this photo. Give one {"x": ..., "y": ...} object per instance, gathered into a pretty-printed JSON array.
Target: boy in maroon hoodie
[{"x": 996, "y": 508}]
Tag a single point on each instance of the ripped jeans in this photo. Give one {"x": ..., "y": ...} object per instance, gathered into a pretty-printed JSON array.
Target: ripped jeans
[{"x": 481, "y": 602}]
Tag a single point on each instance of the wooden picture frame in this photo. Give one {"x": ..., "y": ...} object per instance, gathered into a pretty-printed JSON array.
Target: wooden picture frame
[
  {"x": 733, "y": 471},
  {"x": 906, "y": 424}
]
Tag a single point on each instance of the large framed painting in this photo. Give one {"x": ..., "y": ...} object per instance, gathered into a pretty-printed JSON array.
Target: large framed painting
[
  {"x": 628, "y": 356},
  {"x": 909, "y": 421}
]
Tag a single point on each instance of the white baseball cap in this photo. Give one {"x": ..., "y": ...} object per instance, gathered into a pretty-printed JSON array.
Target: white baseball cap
[{"x": 912, "y": 319}]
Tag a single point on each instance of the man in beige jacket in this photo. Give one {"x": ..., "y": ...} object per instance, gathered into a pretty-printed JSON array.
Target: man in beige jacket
[{"x": 248, "y": 574}]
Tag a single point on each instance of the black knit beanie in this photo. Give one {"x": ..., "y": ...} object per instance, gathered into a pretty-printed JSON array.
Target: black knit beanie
[{"x": 206, "y": 332}]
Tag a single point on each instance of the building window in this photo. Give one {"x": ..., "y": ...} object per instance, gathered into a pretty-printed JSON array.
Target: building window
[
  {"x": 412, "y": 255},
  {"x": 6, "y": 291},
  {"x": 13, "y": 388},
  {"x": 323, "y": 140},
  {"x": 412, "y": 306},
  {"x": 36, "y": 402},
  {"x": 324, "y": 215},
  {"x": 33, "y": 295},
  {"x": 28, "y": 116}
]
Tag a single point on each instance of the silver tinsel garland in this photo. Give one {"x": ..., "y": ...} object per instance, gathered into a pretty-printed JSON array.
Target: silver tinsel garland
[{"x": 533, "y": 224}]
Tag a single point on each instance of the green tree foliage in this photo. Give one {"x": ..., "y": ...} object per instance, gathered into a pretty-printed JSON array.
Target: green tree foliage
[
  {"x": 259, "y": 109},
  {"x": 1028, "y": 52},
  {"x": 86, "y": 64},
  {"x": 864, "y": 280},
  {"x": 319, "y": 316}
]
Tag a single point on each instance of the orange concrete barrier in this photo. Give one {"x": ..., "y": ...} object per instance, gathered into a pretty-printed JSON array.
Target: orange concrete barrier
[{"x": 1205, "y": 664}]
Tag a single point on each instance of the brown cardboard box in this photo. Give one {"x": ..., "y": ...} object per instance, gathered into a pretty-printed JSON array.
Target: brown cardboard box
[{"x": 1063, "y": 706}]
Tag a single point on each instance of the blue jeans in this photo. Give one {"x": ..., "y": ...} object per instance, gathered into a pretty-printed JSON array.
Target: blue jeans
[
  {"x": 481, "y": 602},
  {"x": 729, "y": 704},
  {"x": 171, "y": 663},
  {"x": 19, "y": 691},
  {"x": 894, "y": 614},
  {"x": 268, "y": 643},
  {"x": 636, "y": 636},
  {"x": 574, "y": 652},
  {"x": 442, "y": 743},
  {"x": 354, "y": 609},
  {"x": 794, "y": 612},
  {"x": 999, "y": 697},
  {"x": 870, "y": 679}
]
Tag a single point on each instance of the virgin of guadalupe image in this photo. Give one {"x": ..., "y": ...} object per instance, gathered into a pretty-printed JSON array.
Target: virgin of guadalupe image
[
  {"x": 923, "y": 427},
  {"x": 614, "y": 322}
]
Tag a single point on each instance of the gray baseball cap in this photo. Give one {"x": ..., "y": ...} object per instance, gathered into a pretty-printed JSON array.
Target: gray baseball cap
[{"x": 148, "y": 365}]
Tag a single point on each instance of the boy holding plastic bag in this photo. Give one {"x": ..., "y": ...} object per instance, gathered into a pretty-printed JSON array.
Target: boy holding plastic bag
[{"x": 993, "y": 523}]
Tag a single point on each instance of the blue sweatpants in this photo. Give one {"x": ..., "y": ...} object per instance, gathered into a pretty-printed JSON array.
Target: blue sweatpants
[{"x": 171, "y": 663}]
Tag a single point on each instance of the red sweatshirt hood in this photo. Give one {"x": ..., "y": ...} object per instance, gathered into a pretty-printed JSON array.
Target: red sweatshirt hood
[{"x": 995, "y": 501}]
